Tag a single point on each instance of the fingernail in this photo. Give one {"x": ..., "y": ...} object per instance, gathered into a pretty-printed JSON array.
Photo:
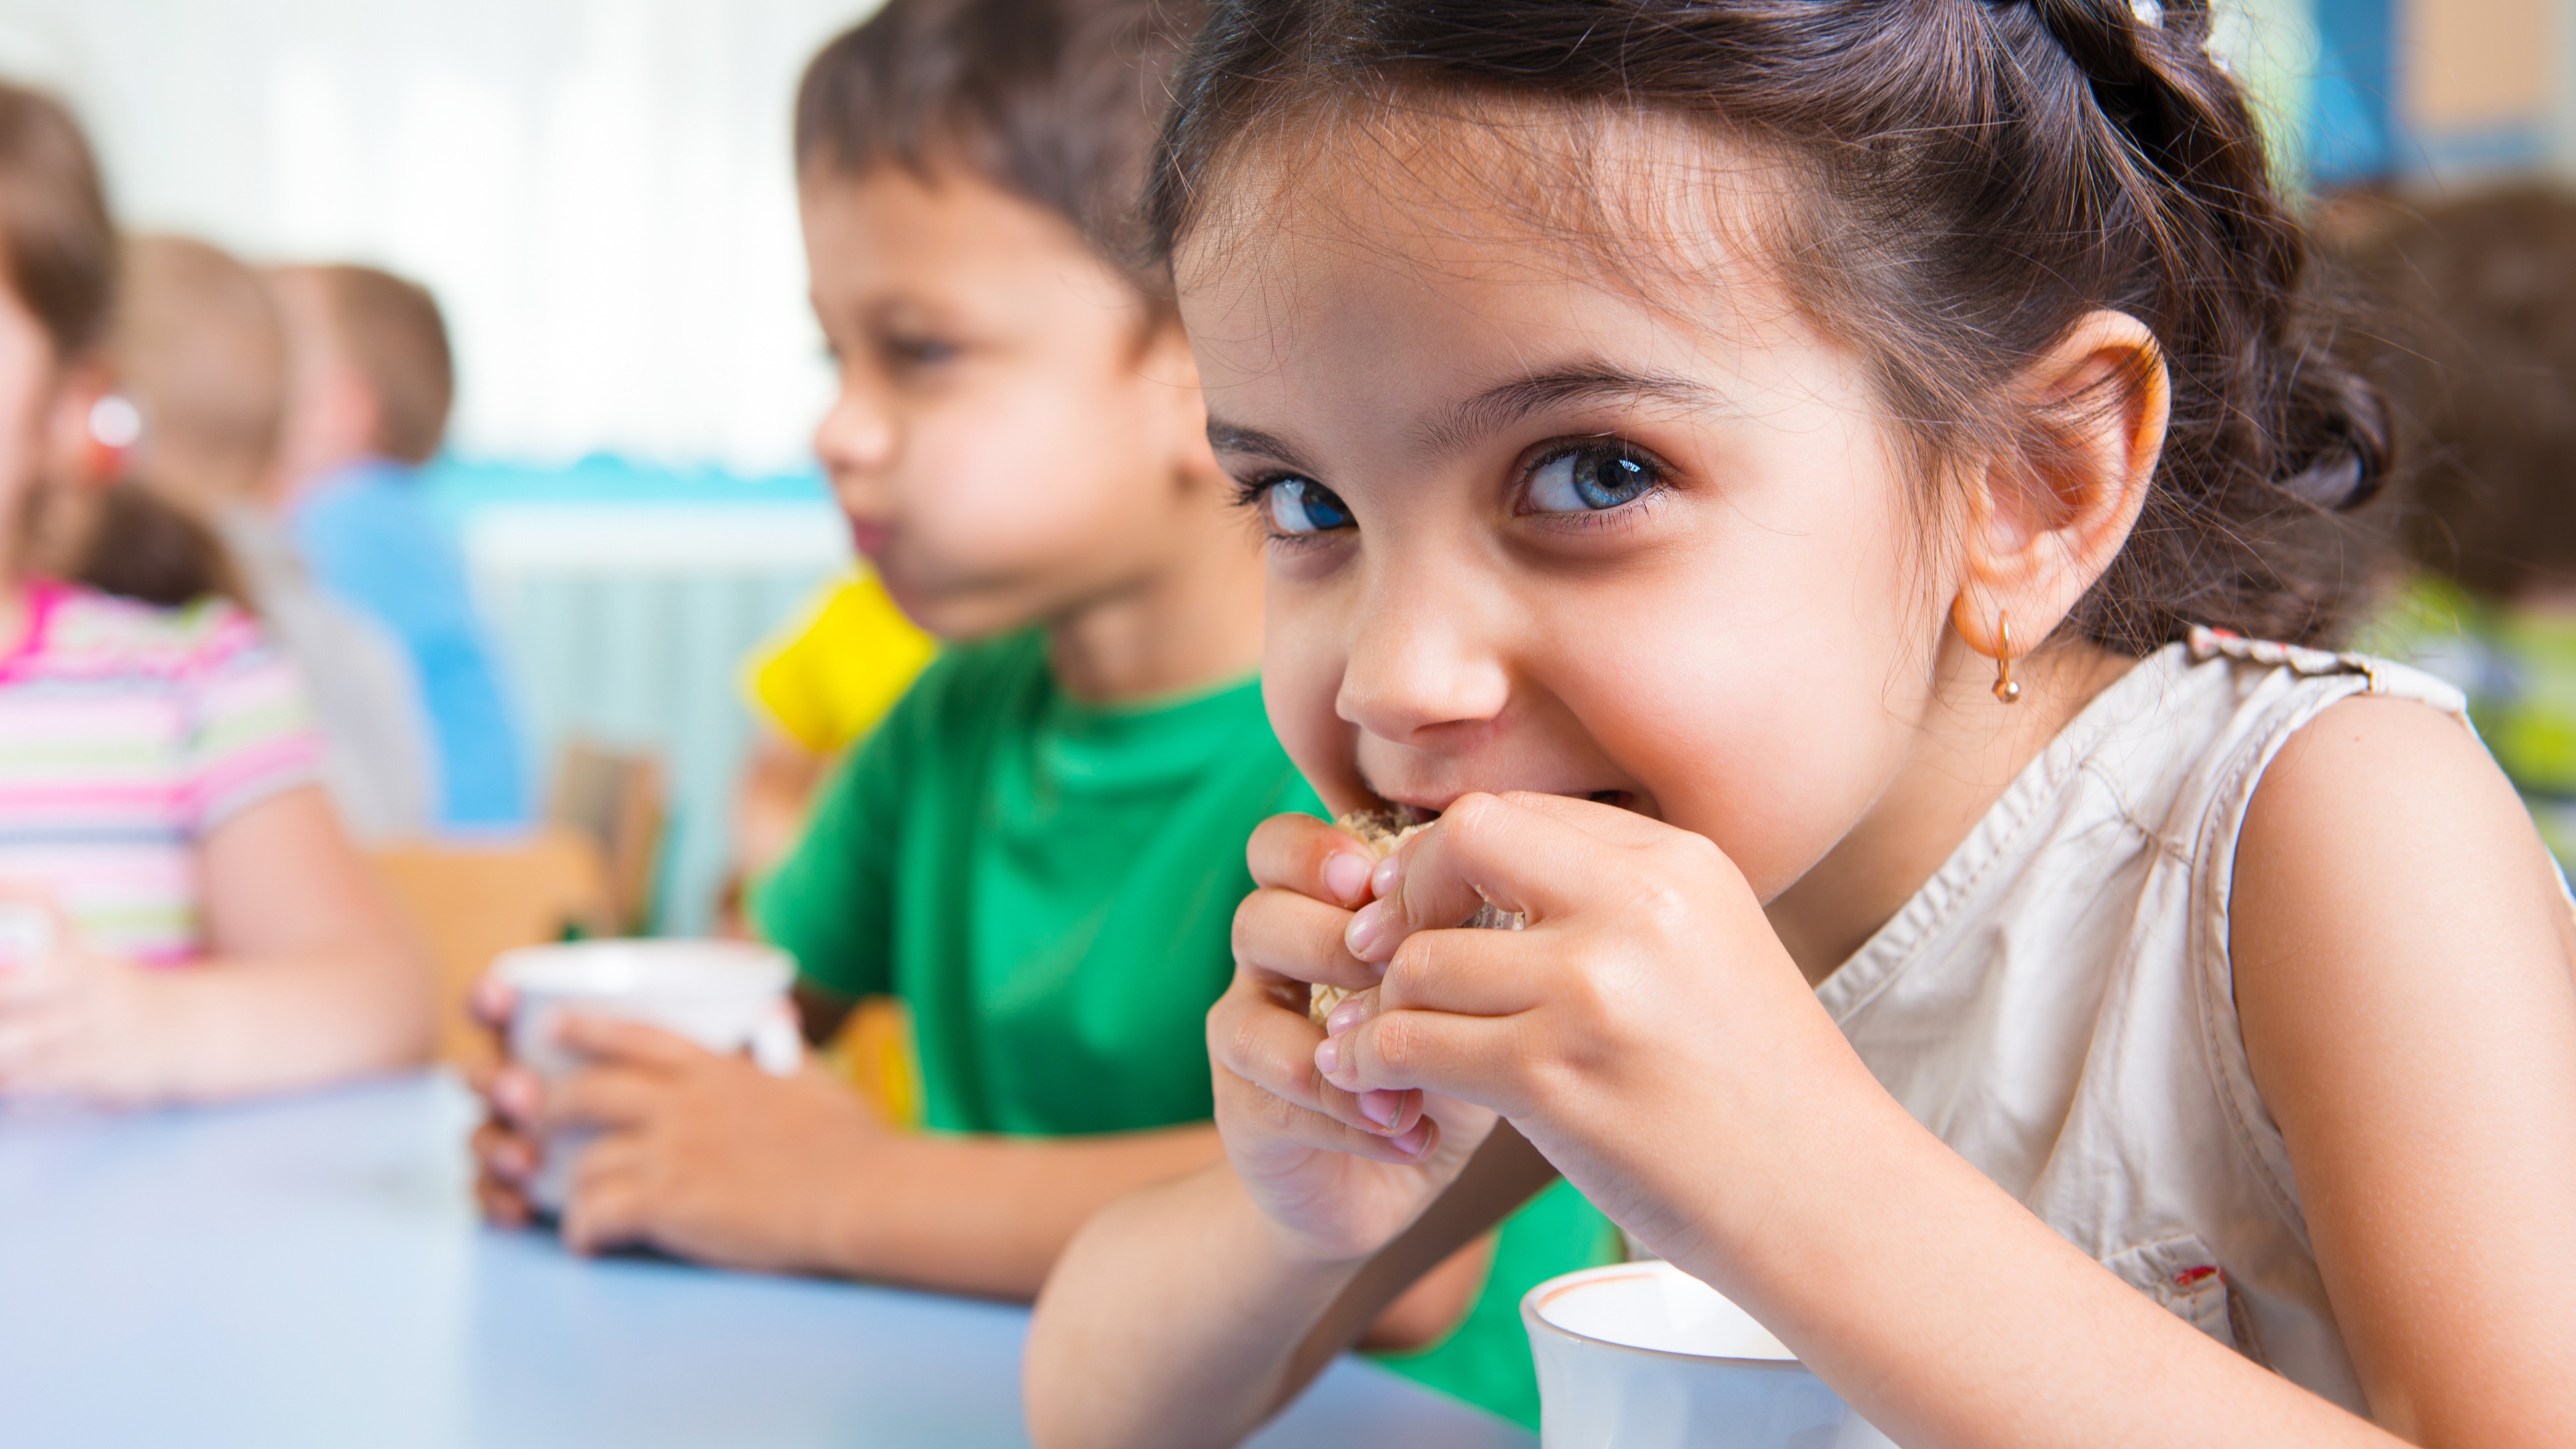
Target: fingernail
[
  {"x": 1344, "y": 1017},
  {"x": 1381, "y": 1107},
  {"x": 1328, "y": 1056},
  {"x": 1382, "y": 880},
  {"x": 1365, "y": 928},
  {"x": 1412, "y": 1140},
  {"x": 1347, "y": 877}
]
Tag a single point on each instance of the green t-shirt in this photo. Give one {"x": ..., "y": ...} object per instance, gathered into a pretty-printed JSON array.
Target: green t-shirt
[{"x": 1050, "y": 887}]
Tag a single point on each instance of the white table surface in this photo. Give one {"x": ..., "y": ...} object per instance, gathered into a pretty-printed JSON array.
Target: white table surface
[{"x": 310, "y": 1272}]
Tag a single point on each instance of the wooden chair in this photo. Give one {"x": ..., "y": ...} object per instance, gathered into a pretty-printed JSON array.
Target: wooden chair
[
  {"x": 471, "y": 901},
  {"x": 620, "y": 800}
]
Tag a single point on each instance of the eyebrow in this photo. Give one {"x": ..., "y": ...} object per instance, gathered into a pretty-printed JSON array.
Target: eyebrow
[
  {"x": 1225, "y": 437},
  {"x": 1506, "y": 403},
  {"x": 1496, "y": 408}
]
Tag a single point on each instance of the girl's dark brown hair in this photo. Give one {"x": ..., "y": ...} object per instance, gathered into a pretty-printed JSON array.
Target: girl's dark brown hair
[
  {"x": 1053, "y": 100},
  {"x": 58, "y": 255},
  {"x": 1976, "y": 176}
]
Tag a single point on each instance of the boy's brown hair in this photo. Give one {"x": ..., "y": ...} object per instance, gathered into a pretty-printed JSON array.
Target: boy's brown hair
[
  {"x": 58, "y": 256},
  {"x": 389, "y": 329},
  {"x": 199, "y": 349},
  {"x": 1055, "y": 101},
  {"x": 2482, "y": 372}
]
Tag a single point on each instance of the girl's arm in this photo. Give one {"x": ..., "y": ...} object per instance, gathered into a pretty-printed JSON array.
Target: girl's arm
[
  {"x": 309, "y": 979},
  {"x": 312, "y": 976},
  {"x": 2402, "y": 961},
  {"x": 1183, "y": 1316},
  {"x": 1652, "y": 1037}
]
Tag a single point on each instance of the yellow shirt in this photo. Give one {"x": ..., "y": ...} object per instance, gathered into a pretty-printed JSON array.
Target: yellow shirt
[{"x": 828, "y": 679}]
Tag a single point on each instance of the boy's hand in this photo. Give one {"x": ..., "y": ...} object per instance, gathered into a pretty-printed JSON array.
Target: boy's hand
[
  {"x": 77, "y": 1024},
  {"x": 505, "y": 1155},
  {"x": 703, "y": 1156},
  {"x": 1340, "y": 1173},
  {"x": 1647, "y": 1031}
]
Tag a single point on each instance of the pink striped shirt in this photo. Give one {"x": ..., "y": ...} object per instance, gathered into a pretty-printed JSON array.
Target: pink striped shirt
[{"x": 128, "y": 734}]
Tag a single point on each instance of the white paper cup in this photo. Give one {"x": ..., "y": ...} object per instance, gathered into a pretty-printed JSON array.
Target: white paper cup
[
  {"x": 1644, "y": 1356},
  {"x": 726, "y": 996}
]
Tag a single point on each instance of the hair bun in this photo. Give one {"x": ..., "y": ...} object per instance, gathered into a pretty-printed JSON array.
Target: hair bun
[
  {"x": 2334, "y": 484},
  {"x": 2348, "y": 418}
]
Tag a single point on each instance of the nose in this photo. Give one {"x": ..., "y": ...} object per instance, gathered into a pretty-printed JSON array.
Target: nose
[
  {"x": 857, "y": 435},
  {"x": 1422, "y": 660}
]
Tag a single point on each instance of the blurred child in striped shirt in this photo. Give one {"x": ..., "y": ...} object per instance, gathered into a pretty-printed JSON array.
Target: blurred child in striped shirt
[{"x": 187, "y": 919}]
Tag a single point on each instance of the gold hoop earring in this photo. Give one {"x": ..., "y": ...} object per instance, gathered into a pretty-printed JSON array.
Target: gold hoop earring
[{"x": 2007, "y": 688}]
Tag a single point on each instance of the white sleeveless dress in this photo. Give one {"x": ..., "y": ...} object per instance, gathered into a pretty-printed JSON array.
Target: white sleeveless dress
[{"x": 2058, "y": 1006}]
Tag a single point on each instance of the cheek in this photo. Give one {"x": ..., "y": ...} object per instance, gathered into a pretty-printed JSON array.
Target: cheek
[
  {"x": 1008, "y": 478},
  {"x": 1302, "y": 660},
  {"x": 1766, "y": 693}
]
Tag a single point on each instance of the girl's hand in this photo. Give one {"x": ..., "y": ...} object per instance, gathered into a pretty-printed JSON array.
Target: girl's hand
[
  {"x": 1340, "y": 1173},
  {"x": 1647, "y": 1031},
  {"x": 76, "y": 1024}
]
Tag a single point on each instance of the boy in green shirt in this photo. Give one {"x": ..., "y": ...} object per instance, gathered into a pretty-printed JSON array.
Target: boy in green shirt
[{"x": 1041, "y": 849}]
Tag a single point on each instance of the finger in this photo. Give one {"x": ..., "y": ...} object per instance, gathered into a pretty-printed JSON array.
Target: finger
[
  {"x": 1273, "y": 1049},
  {"x": 604, "y": 1212},
  {"x": 630, "y": 1043},
  {"x": 502, "y": 1203},
  {"x": 1607, "y": 823},
  {"x": 1245, "y": 1110},
  {"x": 1472, "y": 973},
  {"x": 609, "y": 1097},
  {"x": 504, "y": 1155},
  {"x": 1292, "y": 937},
  {"x": 1388, "y": 1110},
  {"x": 607, "y": 1160},
  {"x": 1507, "y": 851},
  {"x": 1311, "y": 857},
  {"x": 493, "y": 1002},
  {"x": 515, "y": 1095},
  {"x": 1476, "y": 1059}
]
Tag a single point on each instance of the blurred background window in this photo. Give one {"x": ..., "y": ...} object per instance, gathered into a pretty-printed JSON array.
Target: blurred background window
[{"x": 599, "y": 194}]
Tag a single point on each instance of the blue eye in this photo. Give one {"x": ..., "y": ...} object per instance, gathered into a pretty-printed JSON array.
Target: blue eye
[
  {"x": 1590, "y": 479},
  {"x": 1301, "y": 505}
]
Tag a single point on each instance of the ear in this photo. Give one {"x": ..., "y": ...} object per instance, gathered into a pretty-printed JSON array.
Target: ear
[
  {"x": 356, "y": 418},
  {"x": 75, "y": 450},
  {"x": 1171, "y": 371},
  {"x": 2046, "y": 518}
]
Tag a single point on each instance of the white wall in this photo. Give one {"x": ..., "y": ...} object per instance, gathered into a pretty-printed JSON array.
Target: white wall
[{"x": 600, "y": 191}]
